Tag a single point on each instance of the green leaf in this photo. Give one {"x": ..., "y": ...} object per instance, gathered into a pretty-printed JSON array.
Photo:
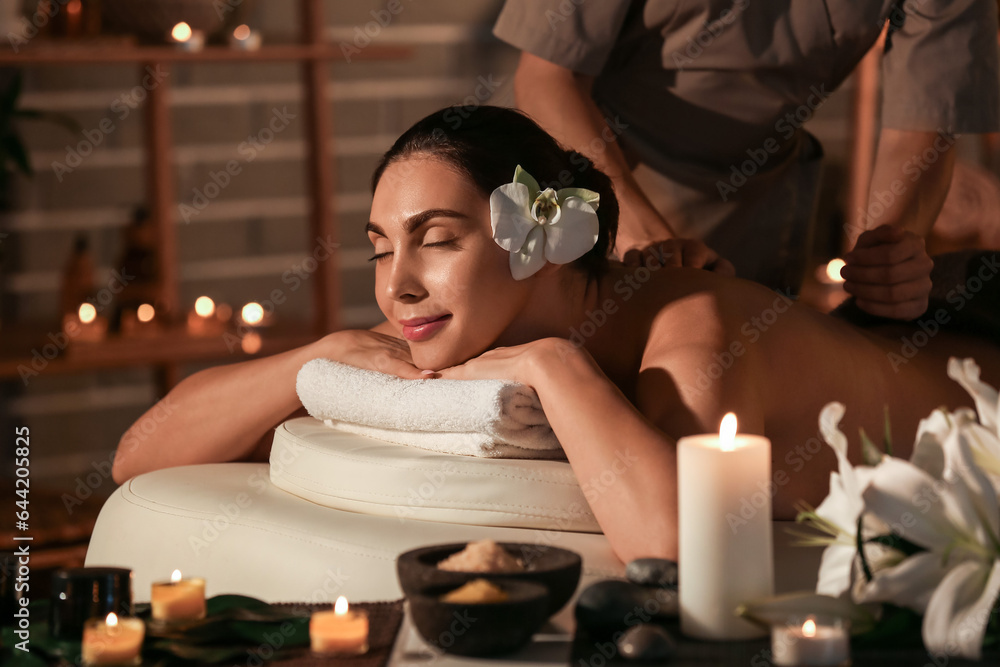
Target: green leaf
[
  {"x": 14, "y": 148},
  {"x": 521, "y": 176},
  {"x": 870, "y": 454},
  {"x": 898, "y": 628}
]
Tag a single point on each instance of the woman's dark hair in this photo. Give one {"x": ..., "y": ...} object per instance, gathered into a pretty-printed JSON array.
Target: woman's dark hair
[{"x": 486, "y": 143}]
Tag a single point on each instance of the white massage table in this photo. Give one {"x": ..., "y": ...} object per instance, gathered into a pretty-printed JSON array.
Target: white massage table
[{"x": 331, "y": 512}]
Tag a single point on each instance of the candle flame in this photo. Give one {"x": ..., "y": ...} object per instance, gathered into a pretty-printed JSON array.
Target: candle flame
[
  {"x": 241, "y": 31},
  {"x": 87, "y": 313},
  {"x": 809, "y": 628},
  {"x": 253, "y": 313},
  {"x": 727, "y": 432},
  {"x": 204, "y": 306},
  {"x": 112, "y": 619},
  {"x": 181, "y": 32},
  {"x": 341, "y": 605},
  {"x": 833, "y": 270},
  {"x": 175, "y": 576},
  {"x": 145, "y": 312}
]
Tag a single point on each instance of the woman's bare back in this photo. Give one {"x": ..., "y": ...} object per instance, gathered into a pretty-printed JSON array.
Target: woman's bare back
[{"x": 799, "y": 360}]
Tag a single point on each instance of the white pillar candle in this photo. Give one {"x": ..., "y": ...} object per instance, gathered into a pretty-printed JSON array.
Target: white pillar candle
[
  {"x": 814, "y": 643},
  {"x": 725, "y": 551}
]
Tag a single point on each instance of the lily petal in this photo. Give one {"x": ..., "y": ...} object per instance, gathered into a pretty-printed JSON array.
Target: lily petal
[
  {"x": 570, "y": 235},
  {"x": 966, "y": 373},
  {"x": 531, "y": 257},
  {"x": 959, "y": 610},
  {"x": 835, "y": 569},
  {"x": 928, "y": 455},
  {"x": 510, "y": 216},
  {"x": 909, "y": 584},
  {"x": 893, "y": 494}
]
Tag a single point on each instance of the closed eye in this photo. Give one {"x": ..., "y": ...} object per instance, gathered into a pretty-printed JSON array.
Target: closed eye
[{"x": 452, "y": 243}]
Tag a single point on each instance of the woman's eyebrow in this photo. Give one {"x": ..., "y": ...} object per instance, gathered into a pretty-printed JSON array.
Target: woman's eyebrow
[{"x": 414, "y": 221}]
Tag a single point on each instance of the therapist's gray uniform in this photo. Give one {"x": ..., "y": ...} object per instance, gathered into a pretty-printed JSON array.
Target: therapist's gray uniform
[{"x": 712, "y": 95}]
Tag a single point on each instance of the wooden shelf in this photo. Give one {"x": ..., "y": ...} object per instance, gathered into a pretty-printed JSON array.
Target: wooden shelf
[
  {"x": 83, "y": 53},
  {"x": 167, "y": 347}
]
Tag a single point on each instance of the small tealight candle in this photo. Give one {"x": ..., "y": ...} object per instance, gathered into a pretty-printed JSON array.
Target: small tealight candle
[
  {"x": 187, "y": 39},
  {"x": 85, "y": 325},
  {"x": 178, "y": 599},
  {"x": 244, "y": 39},
  {"x": 339, "y": 630},
  {"x": 202, "y": 320},
  {"x": 112, "y": 641},
  {"x": 813, "y": 643}
]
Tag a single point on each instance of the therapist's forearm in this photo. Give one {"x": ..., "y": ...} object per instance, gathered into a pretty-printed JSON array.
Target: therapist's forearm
[
  {"x": 560, "y": 102},
  {"x": 910, "y": 180}
]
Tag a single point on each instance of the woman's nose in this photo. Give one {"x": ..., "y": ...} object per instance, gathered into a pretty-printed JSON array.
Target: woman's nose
[{"x": 404, "y": 283}]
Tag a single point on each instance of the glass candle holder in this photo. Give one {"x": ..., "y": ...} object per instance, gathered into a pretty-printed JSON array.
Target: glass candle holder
[
  {"x": 812, "y": 641},
  {"x": 80, "y": 593},
  {"x": 178, "y": 599},
  {"x": 112, "y": 641},
  {"x": 339, "y": 631}
]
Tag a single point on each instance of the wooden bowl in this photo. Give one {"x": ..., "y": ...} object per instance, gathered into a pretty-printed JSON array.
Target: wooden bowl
[
  {"x": 480, "y": 629},
  {"x": 556, "y": 569}
]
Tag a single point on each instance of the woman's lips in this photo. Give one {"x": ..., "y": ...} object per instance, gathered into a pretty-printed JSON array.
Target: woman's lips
[{"x": 423, "y": 328}]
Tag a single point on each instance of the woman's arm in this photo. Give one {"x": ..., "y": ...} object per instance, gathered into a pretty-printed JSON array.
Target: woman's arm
[{"x": 227, "y": 413}]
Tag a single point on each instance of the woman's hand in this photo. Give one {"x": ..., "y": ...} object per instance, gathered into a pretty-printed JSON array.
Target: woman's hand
[
  {"x": 374, "y": 351},
  {"x": 520, "y": 363},
  {"x": 677, "y": 252}
]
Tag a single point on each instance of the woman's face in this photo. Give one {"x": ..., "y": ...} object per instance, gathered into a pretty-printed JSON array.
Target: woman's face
[{"x": 440, "y": 279}]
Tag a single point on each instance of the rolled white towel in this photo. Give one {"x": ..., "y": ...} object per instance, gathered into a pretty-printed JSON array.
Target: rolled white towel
[{"x": 486, "y": 418}]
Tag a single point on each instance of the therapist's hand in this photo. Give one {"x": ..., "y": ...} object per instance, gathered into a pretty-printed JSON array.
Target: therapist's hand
[
  {"x": 889, "y": 273},
  {"x": 372, "y": 350},
  {"x": 675, "y": 252}
]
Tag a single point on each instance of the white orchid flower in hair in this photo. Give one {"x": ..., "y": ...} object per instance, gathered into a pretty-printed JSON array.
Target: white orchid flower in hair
[{"x": 538, "y": 226}]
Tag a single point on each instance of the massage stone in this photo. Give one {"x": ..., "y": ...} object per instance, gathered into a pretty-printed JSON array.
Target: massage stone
[
  {"x": 647, "y": 642},
  {"x": 658, "y": 572},
  {"x": 614, "y": 605}
]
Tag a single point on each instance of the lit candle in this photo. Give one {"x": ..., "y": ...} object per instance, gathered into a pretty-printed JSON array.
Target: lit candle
[
  {"x": 112, "y": 641},
  {"x": 244, "y": 38},
  {"x": 724, "y": 527},
  {"x": 178, "y": 599},
  {"x": 187, "y": 39},
  {"x": 202, "y": 320},
  {"x": 340, "y": 630},
  {"x": 85, "y": 325},
  {"x": 814, "y": 643}
]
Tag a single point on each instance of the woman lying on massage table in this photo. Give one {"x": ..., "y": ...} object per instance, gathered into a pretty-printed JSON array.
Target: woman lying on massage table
[{"x": 625, "y": 360}]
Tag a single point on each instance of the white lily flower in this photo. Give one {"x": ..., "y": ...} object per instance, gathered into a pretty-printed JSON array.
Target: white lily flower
[
  {"x": 955, "y": 583},
  {"x": 537, "y": 226},
  {"x": 838, "y": 514},
  {"x": 986, "y": 434}
]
